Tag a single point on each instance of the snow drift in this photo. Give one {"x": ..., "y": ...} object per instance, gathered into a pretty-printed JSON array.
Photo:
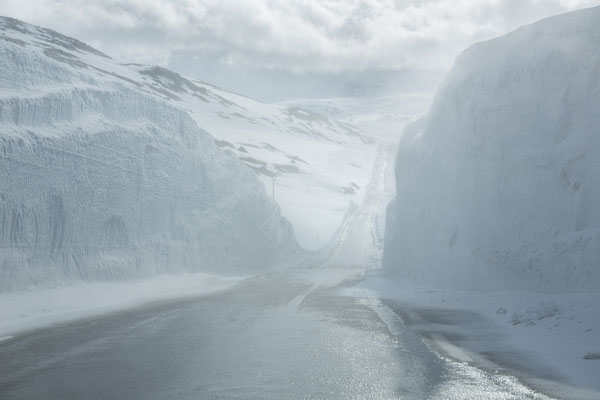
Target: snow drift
[
  {"x": 102, "y": 181},
  {"x": 499, "y": 186}
]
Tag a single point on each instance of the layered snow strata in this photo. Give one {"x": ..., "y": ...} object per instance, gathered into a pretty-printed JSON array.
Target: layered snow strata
[
  {"x": 102, "y": 182},
  {"x": 499, "y": 186}
]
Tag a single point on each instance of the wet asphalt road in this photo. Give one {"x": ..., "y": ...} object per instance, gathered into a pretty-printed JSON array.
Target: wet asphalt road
[{"x": 273, "y": 337}]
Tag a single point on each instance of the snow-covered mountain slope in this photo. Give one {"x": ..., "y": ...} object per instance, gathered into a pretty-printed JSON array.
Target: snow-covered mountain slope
[
  {"x": 101, "y": 180},
  {"x": 499, "y": 186},
  {"x": 382, "y": 117},
  {"x": 316, "y": 164}
]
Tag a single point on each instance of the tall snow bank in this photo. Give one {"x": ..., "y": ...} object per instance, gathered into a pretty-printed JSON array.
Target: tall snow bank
[
  {"x": 499, "y": 186},
  {"x": 102, "y": 182}
]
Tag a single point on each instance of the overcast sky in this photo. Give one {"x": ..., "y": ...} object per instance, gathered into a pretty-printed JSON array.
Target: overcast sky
[{"x": 230, "y": 42}]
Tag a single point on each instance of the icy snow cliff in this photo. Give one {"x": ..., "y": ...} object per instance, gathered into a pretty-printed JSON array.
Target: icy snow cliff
[
  {"x": 499, "y": 186},
  {"x": 101, "y": 180}
]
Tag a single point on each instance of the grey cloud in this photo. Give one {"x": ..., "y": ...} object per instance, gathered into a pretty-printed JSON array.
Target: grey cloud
[{"x": 300, "y": 37}]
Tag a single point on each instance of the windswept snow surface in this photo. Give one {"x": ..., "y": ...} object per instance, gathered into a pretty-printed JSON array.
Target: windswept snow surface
[
  {"x": 102, "y": 180},
  {"x": 499, "y": 186}
]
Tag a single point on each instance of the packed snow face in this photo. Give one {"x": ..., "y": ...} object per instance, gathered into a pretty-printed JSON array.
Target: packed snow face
[
  {"x": 102, "y": 181},
  {"x": 499, "y": 186}
]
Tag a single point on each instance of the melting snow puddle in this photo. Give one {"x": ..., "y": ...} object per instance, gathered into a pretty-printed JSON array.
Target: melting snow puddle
[{"x": 548, "y": 333}]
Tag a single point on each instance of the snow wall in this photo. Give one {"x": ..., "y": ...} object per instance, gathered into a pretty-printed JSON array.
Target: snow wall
[
  {"x": 99, "y": 182},
  {"x": 499, "y": 186}
]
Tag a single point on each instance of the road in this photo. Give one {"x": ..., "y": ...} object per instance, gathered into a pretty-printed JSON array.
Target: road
[
  {"x": 284, "y": 335},
  {"x": 273, "y": 337}
]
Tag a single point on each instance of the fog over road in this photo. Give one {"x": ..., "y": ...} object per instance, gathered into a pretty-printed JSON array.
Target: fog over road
[{"x": 284, "y": 335}]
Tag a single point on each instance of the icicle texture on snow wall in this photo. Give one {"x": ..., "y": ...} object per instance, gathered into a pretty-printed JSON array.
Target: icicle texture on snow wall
[{"x": 499, "y": 186}]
